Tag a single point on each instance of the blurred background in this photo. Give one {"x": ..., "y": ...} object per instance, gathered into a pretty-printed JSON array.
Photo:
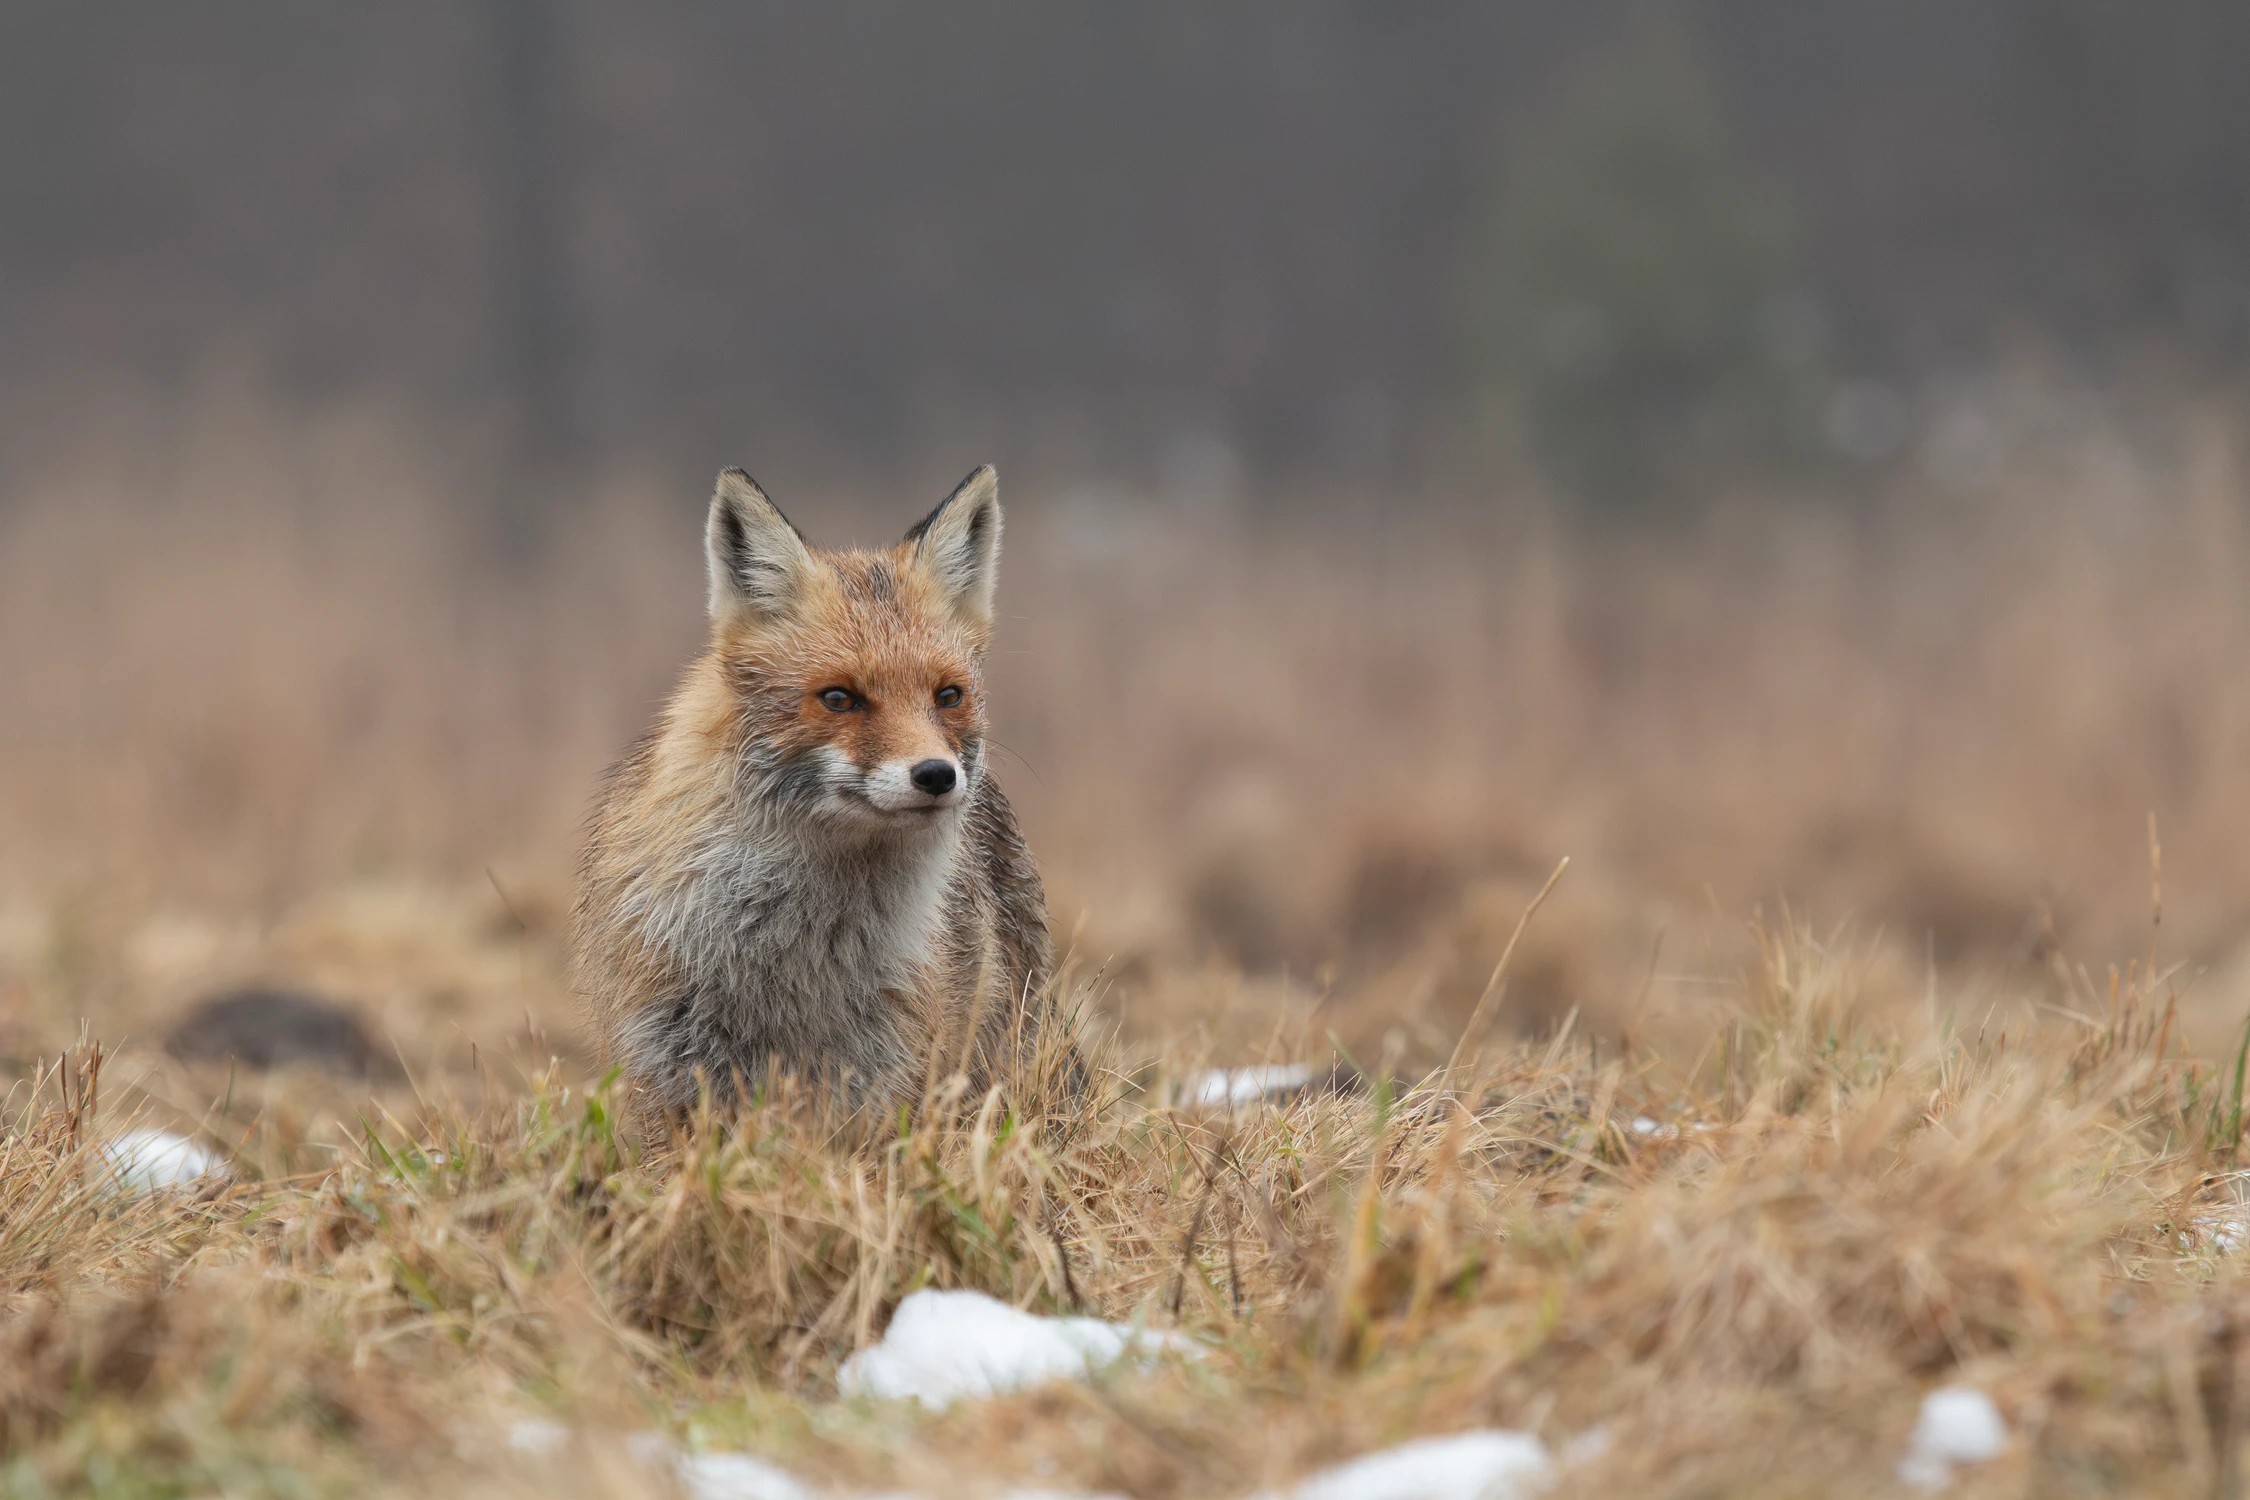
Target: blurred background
[{"x": 1784, "y": 454}]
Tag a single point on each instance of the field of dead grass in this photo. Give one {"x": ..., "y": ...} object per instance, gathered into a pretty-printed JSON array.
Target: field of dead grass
[
  {"x": 1744, "y": 1274},
  {"x": 1807, "y": 1090}
]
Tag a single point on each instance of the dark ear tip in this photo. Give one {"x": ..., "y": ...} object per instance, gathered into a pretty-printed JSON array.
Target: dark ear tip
[
  {"x": 735, "y": 483},
  {"x": 984, "y": 475}
]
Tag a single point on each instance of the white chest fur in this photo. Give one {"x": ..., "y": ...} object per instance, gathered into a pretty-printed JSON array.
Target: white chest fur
[{"x": 794, "y": 935}]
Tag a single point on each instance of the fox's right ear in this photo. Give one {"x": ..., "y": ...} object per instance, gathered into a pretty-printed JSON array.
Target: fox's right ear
[{"x": 758, "y": 560}]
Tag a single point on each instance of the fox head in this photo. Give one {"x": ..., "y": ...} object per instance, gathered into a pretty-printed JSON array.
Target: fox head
[{"x": 856, "y": 678}]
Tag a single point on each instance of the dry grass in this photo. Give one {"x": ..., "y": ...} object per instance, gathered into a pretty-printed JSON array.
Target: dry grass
[
  {"x": 1289, "y": 784},
  {"x": 1845, "y": 1214}
]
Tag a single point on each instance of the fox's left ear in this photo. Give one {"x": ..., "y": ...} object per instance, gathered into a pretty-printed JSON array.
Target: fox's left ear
[{"x": 959, "y": 543}]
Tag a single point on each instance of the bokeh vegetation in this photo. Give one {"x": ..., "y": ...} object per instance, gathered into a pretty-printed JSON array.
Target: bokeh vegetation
[{"x": 1637, "y": 304}]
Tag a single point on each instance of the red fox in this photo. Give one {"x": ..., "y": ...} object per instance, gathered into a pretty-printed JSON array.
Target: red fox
[{"x": 807, "y": 866}]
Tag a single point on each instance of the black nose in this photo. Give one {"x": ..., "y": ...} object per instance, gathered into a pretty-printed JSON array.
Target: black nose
[{"x": 933, "y": 776}]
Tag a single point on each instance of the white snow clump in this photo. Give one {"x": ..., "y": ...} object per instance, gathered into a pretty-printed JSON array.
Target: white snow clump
[
  {"x": 942, "y": 1346},
  {"x": 1959, "y": 1425},
  {"x": 151, "y": 1161},
  {"x": 1485, "y": 1465},
  {"x": 721, "y": 1475},
  {"x": 537, "y": 1435},
  {"x": 1493, "y": 1464},
  {"x": 1226, "y": 1088},
  {"x": 736, "y": 1476}
]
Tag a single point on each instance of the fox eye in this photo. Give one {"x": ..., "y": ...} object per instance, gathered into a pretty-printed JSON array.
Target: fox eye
[
  {"x": 948, "y": 697},
  {"x": 836, "y": 699}
]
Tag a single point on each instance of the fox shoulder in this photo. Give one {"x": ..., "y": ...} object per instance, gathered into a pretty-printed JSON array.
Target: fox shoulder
[{"x": 1009, "y": 874}]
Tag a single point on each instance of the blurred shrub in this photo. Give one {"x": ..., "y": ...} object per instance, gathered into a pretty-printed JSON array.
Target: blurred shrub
[{"x": 1635, "y": 314}]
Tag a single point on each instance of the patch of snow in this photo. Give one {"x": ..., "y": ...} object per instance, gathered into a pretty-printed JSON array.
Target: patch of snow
[
  {"x": 1487, "y": 1465},
  {"x": 2224, "y": 1232},
  {"x": 652, "y": 1449},
  {"x": 717, "y": 1476},
  {"x": 737, "y": 1476},
  {"x": 537, "y": 1435},
  {"x": 1224, "y": 1088},
  {"x": 704, "y": 1476},
  {"x": 1959, "y": 1425},
  {"x": 943, "y": 1346},
  {"x": 743, "y": 1476},
  {"x": 2226, "y": 1227},
  {"x": 151, "y": 1161},
  {"x": 999, "y": 1495},
  {"x": 1653, "y": 1129}
]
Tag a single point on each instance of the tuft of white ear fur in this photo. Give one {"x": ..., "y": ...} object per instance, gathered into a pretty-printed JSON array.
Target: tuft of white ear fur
[
  {"x": 959, "y": 543},
  {"x": 758, "y": 561}
]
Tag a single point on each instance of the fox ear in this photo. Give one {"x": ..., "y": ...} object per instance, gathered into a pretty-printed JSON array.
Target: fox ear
[
  {"x": 758, "y": 560},
  {"x": 959, "y": 543}
]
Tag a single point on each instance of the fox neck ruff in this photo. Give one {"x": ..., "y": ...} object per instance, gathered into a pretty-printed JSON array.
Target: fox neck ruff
[{"x": 798, "y": 941}]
